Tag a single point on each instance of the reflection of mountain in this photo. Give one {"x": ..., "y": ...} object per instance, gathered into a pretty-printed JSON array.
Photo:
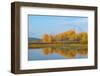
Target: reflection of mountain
[{"x": 33, "y": 40}]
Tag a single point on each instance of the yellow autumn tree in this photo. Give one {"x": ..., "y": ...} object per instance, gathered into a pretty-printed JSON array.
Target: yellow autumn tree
[
  {"x": 59, "y": 37},
  {"x": 47, "y": 38},
  {"x": 83, "y": 37},
  {"x": 71, "y": 34}
]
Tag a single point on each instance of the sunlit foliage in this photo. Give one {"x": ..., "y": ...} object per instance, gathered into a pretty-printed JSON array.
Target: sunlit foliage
[{"x": 70, "y": 35}]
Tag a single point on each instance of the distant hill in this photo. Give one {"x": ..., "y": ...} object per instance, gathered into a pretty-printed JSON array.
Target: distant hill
[{"x": 34, "y": 39}]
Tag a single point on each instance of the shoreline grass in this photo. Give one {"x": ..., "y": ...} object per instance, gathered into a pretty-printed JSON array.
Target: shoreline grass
[{"x": 39, "y": 45}]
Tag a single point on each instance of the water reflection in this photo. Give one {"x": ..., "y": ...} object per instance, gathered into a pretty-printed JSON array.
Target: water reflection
[
  {"x": 66, "y": 53},
  {"x": 57, "y": 53}
]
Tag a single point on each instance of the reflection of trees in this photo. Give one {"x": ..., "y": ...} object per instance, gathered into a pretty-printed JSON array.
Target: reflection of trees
[
  {"x": 66, "y": 53},
  {"x": 83, "y": 52},
  {"x": 47, "y": 51},
  {"x": 70, "y": 54}
]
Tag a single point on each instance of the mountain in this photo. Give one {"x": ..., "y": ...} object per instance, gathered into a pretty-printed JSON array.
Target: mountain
[{"x": 34, "y": 39}]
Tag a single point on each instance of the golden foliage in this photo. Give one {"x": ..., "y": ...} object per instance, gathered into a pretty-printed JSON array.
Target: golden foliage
[
  {"x": 70, "y": 35},
  {"x": 47, "y": 38}
]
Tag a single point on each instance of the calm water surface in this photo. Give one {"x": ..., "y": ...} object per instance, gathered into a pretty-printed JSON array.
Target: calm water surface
[{"x": 56, "y": 53}]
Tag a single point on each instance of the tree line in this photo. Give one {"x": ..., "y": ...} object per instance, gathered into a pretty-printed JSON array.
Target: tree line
[{"x": 67, "y": 36}]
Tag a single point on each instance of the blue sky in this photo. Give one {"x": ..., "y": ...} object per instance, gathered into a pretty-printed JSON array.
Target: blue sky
[{"x": 39, "y": 24}]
